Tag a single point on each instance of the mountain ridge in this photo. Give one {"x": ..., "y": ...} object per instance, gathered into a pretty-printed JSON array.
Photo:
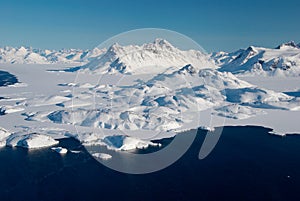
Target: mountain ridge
[
  {"x": 161, "y": 56},
  {"x": 282, "y": 60},
  {"x": 29, "y": 55}
]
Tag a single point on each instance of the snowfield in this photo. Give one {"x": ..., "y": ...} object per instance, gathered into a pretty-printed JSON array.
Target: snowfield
[{"x": 129, "y": 95}]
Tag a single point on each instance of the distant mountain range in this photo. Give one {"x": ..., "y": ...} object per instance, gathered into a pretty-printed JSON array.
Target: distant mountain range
[
  {"x": 284, "y": 59},
  {"x": 161, "y": 56},
  {"x": 28, "y": 55}
]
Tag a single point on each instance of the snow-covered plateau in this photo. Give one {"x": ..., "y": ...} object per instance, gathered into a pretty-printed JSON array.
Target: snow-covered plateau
[{"x": 126, "y": 96}]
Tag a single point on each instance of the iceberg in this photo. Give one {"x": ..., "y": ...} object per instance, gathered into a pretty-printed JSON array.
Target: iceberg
[
  {"x": 125, "y": 143},
  {"x": 60, "y": 150},
  {"x": 102, "y": 156},
  {"x": 31, "y": 141}
]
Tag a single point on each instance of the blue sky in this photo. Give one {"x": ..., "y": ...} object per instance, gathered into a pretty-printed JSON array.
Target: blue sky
[{"x": 214, "y": 24}]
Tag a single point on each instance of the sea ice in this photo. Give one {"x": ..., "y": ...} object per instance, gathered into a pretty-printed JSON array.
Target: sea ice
[{"x": 102, "y": 156}]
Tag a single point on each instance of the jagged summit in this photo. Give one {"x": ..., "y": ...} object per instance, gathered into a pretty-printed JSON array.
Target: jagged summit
[
  {"x": 158, "y": 56},
  {"x": 251, "y": 49},
  {"x": 114, "y": 47},
  {"x": 283, "y": 60},
  {"x": 288, "y": 44},
  {"x": 162, "y": 43}
]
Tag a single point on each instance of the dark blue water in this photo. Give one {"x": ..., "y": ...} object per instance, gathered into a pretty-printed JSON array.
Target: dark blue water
[
  {"x": 247, "y": 164},
  {"x": 293, "y": 93},
  {"x": 7, "y": 79},
  {"x": 70, "y": 69}
]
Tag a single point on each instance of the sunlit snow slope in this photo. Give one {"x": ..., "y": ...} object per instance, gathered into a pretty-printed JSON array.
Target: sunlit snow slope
[{"x": 282, "y": 60}]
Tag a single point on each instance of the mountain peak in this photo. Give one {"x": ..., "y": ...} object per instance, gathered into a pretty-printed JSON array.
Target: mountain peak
[
  {"x": 22, "y": 49},
  {"x": 114, "y": 47},
  {"x": 158, "y": 56},
  {"x": 288, "y": 44},
  {"x": 251, "y": 49},
  {"x": 162, "y": 43}
]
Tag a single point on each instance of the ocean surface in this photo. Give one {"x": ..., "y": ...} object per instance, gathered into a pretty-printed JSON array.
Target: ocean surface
[
  {"x": 7, "y": 79},
  {"x": 246, "y": 164}
]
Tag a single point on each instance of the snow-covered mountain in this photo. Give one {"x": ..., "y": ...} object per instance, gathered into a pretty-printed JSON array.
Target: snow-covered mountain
[
  {"x": 161, "y": 56},
  {"x": 28, "y": 55},
  {"x": 284, "y": 59},
  {"x": 179, "y": 88},
  {"x": 156, "y": 57}
]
